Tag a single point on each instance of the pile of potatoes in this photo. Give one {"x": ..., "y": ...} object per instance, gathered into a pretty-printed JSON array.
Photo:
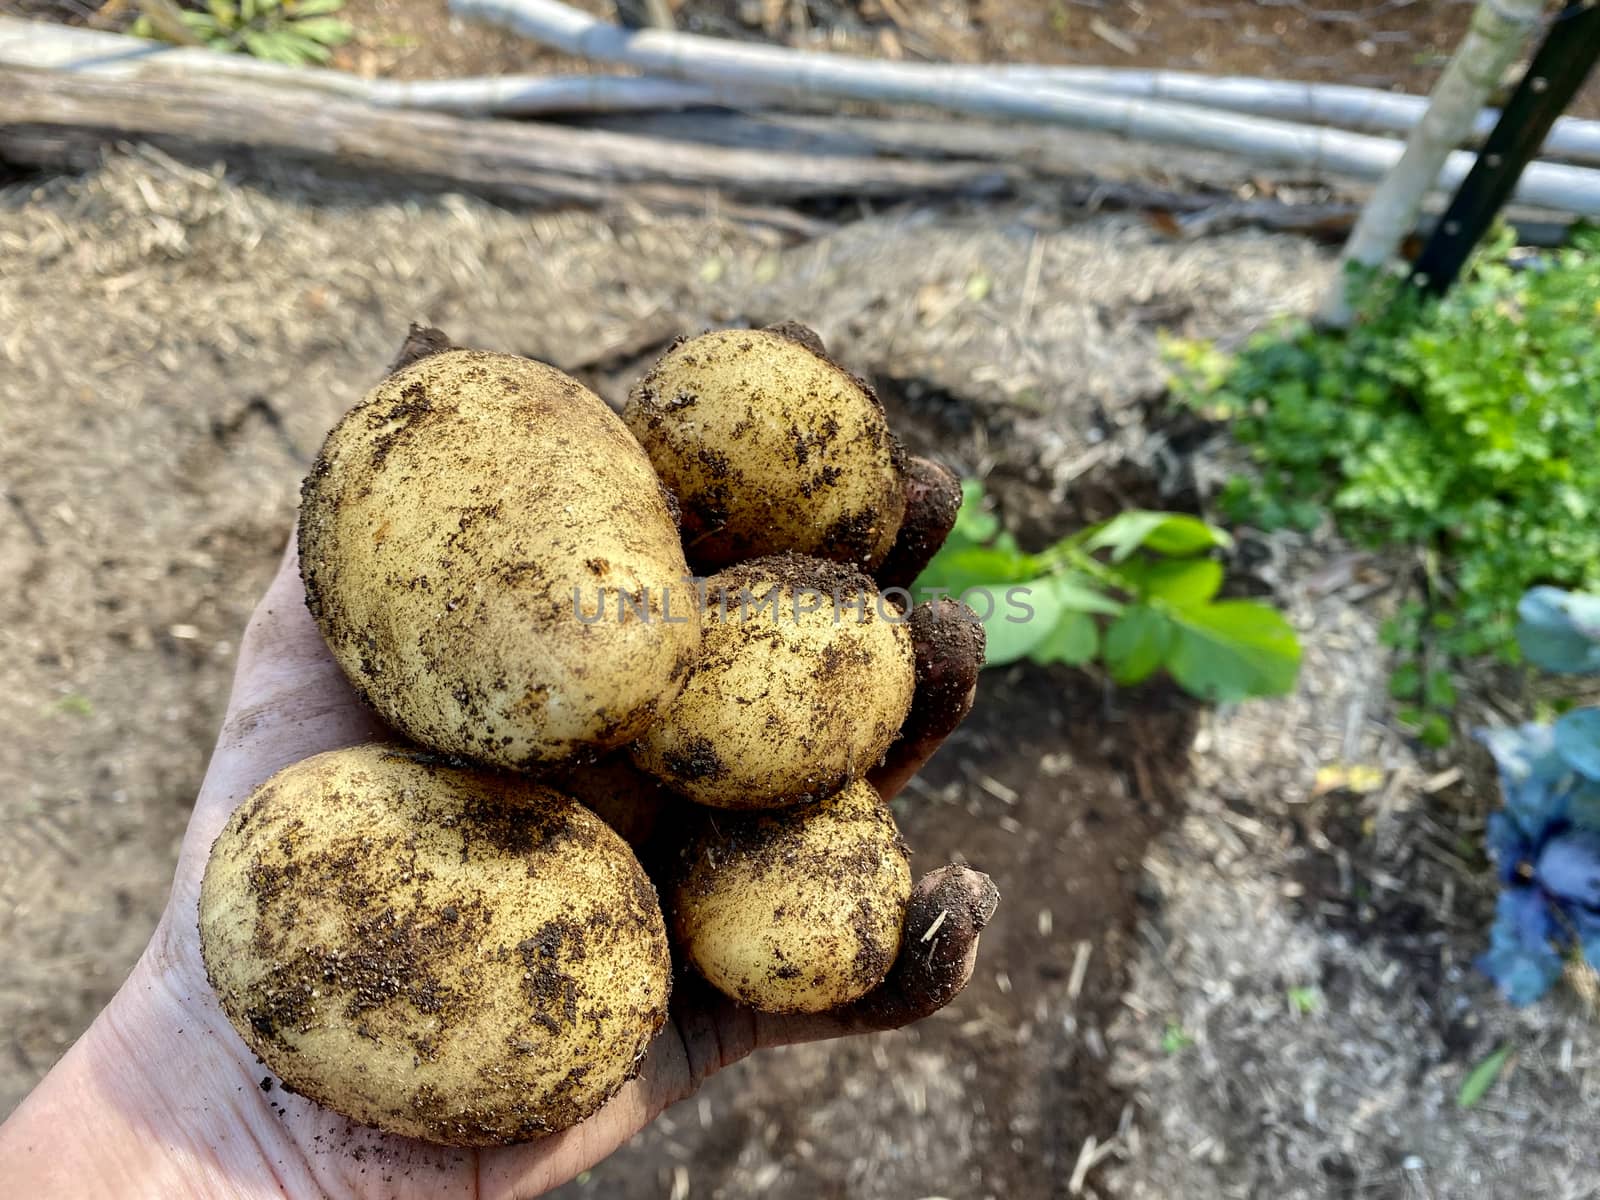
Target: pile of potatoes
[{"x": 451, "y": 935}]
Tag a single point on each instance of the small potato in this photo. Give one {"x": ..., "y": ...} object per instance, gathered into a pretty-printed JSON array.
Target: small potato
[
  {"x": 805, "y": 676},
  {"x": 769, "y": 446},
  {"x": 794, "y": 911},
  {"x": 466, "y": 536},
  {"x": 446, "y": 954}
]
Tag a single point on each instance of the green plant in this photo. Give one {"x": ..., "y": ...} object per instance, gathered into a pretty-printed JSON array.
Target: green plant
[
  {"x": 1305, "y": 1000},
  {"x": 1467, "y": 426},
  {"x": 1137, "y": 592},
  {"x": 1482, "y": 1077},
  {"x": 285, "y": 31}
]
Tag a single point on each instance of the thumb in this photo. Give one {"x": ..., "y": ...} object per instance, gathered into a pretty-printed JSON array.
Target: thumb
[
  {"x": 938, "y": 950},
  {"x": 948, "y": 909}
]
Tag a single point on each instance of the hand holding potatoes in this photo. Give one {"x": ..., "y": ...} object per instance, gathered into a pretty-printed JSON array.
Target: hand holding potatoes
[{"x": 473, "y": 957}]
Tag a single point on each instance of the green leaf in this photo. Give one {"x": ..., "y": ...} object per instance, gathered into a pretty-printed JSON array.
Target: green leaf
[
  {"x": 1123, "y": 533},
  {"x": 1081, "y": 594},
  {"x": 1165, "y": 533},
  {"x": 329, "y": 31},
  {"x": 1306, "y": 1000},
  {"x": 249, "y": 10},
  {"x": 1137, "y": 643},
  {"x": 313, "y": 8},
  {"x": 1175, "y": 1039},
  {"x": 1435, "y": 731},
  {"x": 1405, "y": 681},
  {"x": 78, "y": 706},
  {"x": 1437, "y": 690},
  {"x": 1180, "y": 581},
  {"x": 1181, "y": 535},
  {"x": 1482, "y": 1077},
  {"x": 277, "y": 46},
  {"x": 1232, "y": 651},
  {"x": 973, "y": 523},
  {"x": 202, "y": 23},
  {"x": 974, "y": 566},
  {"x": 225, "y": 12},
  {"x": 1019, "y": 621},
  {"x": 1073, "y": 641}
]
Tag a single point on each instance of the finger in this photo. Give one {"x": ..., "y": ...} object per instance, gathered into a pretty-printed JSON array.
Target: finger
[
  {"x": 947, "y": 638},
  {"x": 803, "y": 334},
  {"x": 938, "y": 950},
  {"x": 289, "y": 701},
  {"x": 421, "y": 341},
  {"x": 933, "y": 498},
  {"x": 947, "y": 910}
]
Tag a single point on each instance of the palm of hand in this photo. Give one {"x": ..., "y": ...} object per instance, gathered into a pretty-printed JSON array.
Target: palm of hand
[{"x": 189, "y": 1106}]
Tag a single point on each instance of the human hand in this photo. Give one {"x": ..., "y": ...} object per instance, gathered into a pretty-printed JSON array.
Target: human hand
[{"x": 161, "y": 1097}]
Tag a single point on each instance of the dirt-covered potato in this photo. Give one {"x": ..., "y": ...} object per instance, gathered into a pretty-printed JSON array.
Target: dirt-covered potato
[
  {"x": 769, "y": 446},
  {"x": 447, "y": 954},
  {"x": 805, "y": 676},
  {"x": 458, "y": 535},
  {"x": 798, "y": 910}
]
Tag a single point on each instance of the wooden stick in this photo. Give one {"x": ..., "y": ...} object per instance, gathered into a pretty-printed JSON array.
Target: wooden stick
[
  {"x": 41, "y": 44},
  {"x": 807, "y": 75},
  {"x": 529, "y": 161}
]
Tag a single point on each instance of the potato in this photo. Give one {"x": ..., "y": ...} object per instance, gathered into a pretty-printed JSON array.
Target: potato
[
  {"x": 769, "y": 446},
  {"x": 804, "y": 679},
  {"x": 447, "y": 954},
  {"x": 457, "y": 535},
  {"x": 794, "y": 911}
]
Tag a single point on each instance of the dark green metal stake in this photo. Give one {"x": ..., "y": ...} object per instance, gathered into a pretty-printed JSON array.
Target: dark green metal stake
[{"x": 1558, "y": 70}]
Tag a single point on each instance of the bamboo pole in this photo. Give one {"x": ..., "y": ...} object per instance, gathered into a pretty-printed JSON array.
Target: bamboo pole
[
  {"x": 1499, "y": 30},
  {"x": 804, "y": 75},
  {"x": 39, "y": 44},
  {"x": 1361, "y": 110}
]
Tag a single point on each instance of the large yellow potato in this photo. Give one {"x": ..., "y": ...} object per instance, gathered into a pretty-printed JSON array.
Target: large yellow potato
[
  {"x": 799, "y": 910},
  {"x": 805, "y": 676},
  {"x": 457, "y": 536},
  {"x": 447, "y": 954},
  {"x": 769, "y": 446}
]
